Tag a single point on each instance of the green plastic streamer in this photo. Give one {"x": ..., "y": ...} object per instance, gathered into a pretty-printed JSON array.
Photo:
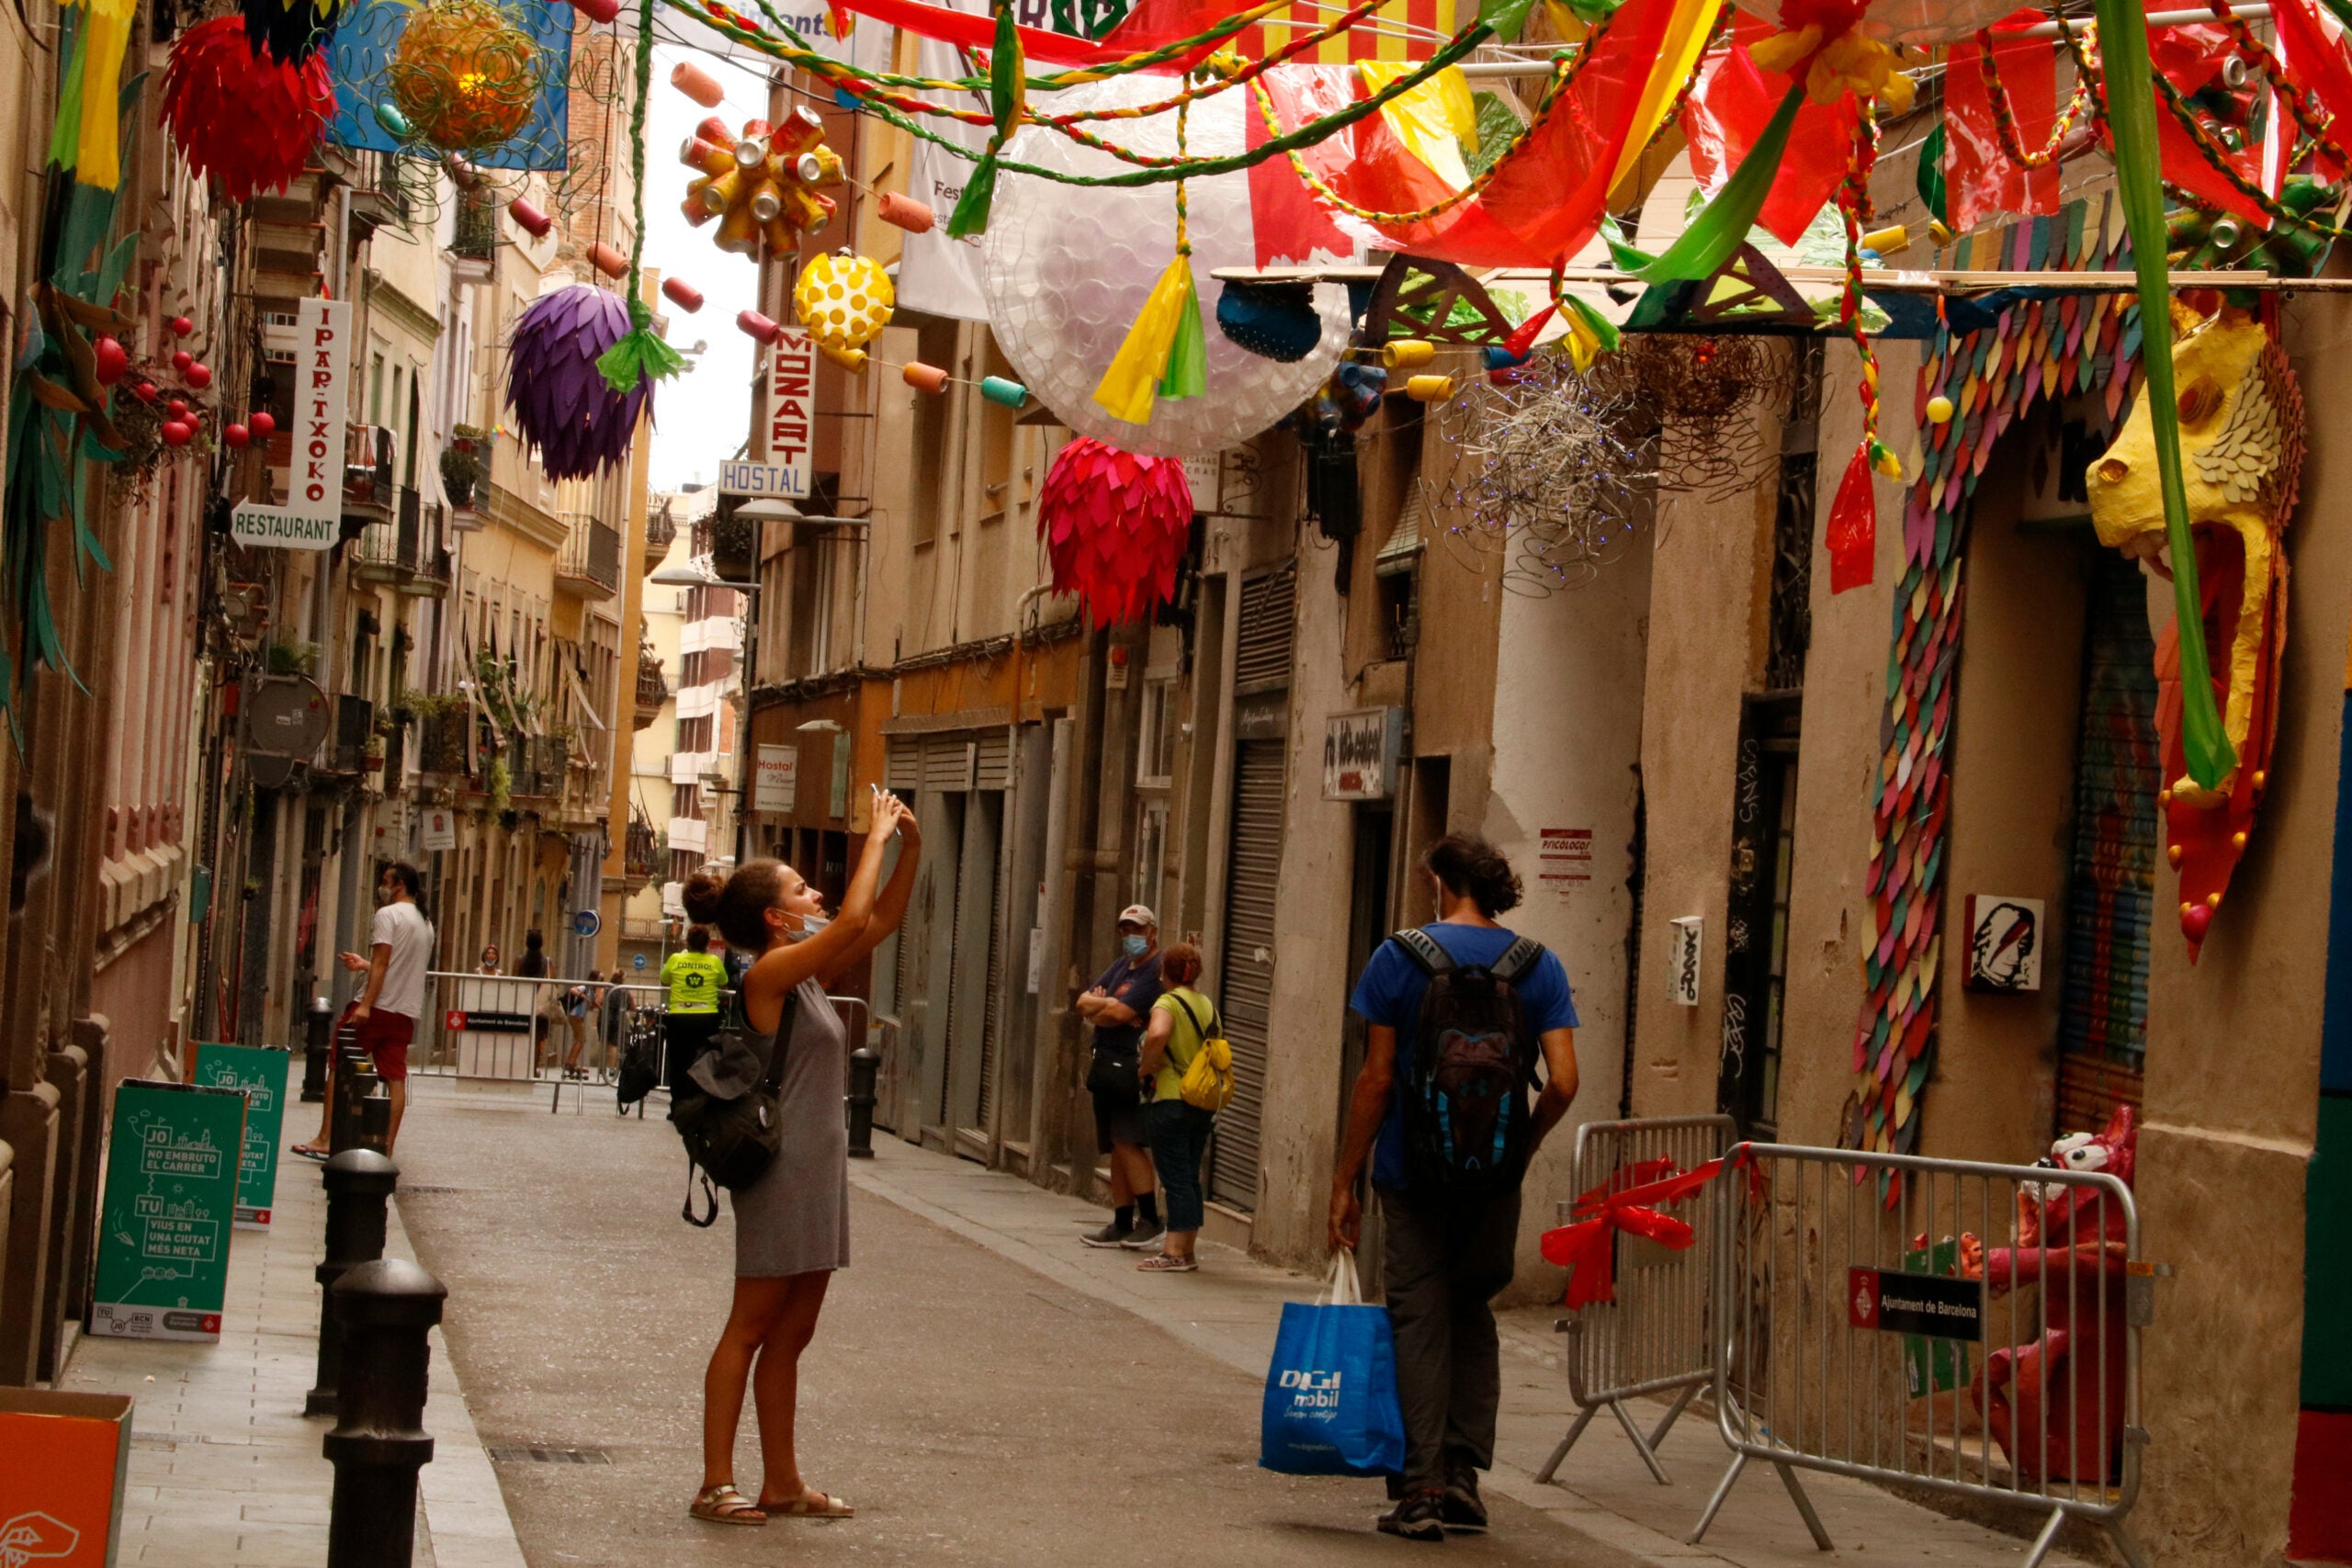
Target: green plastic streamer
[
  {"x": 2132, "y": 123},
  {"x": 1722, "y": 224},
  {"x": 1006, "y": 80},
  {"x": 640, "y": 356}
]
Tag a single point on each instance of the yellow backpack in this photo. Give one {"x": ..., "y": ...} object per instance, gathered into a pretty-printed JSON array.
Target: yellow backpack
[{"x": 1209, "y": 1078}]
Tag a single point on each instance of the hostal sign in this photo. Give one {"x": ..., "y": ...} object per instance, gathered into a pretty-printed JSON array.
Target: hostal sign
[
  {"x": 1360, "y": 752},
  {"x": 311, "y": 518}
]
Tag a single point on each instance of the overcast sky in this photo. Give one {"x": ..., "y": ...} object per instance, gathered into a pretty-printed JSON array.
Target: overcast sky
[{"x": 702, "y": 415}]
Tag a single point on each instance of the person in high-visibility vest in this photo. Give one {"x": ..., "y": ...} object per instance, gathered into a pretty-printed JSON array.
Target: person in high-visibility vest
[{"x": 696, "y": 976}]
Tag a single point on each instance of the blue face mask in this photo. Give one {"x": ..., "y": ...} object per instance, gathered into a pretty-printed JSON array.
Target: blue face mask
[{"x": 1136, "y": 946}]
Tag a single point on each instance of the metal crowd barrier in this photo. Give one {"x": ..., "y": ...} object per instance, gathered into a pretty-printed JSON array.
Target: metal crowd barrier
[
  {"x": 1976, "y": 1334},
  {"x": 1660, "y": 1335}
]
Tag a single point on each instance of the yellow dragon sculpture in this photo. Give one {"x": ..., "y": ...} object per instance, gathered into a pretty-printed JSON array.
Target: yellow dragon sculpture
[{"x": 2241, "y": 441}]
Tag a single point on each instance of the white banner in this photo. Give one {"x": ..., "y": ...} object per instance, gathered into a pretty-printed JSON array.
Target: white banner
[
  {"x": 936, "y": 275},
  {"x": 311, "y": 518}
]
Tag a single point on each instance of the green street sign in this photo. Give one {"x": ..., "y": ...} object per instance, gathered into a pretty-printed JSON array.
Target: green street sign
[
  {"x": 260, "y": 1073},
  {"x": 171, "y": 1196}
]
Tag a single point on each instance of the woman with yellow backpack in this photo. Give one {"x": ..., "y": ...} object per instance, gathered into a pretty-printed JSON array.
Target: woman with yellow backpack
[{"x": 1187, "y": 1076}]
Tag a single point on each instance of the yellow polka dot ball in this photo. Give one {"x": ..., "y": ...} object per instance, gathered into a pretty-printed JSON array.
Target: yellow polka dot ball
[{"x": 844, "y": 299}]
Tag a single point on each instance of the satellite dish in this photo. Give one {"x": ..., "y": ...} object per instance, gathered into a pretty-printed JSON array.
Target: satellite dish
[{"x": 286, "y": 717}]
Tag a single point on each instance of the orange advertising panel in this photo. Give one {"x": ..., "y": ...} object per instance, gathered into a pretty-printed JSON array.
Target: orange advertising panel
[{"x": 62, "y": 1459}]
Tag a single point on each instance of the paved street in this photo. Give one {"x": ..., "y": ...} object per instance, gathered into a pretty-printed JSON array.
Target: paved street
[
  {"x": 973, "y": 1411},
  {"x": 982, "y": 1388}
]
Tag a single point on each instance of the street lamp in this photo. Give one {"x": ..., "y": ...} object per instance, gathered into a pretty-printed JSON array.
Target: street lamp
[{"x": 688, "y": 577}]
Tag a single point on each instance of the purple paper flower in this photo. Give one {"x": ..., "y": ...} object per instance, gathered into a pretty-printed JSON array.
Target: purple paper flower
[{"x": 560, "y": 401}]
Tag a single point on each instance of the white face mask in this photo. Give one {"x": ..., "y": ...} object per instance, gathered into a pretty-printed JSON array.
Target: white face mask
[{"x": 810, "y": 925}]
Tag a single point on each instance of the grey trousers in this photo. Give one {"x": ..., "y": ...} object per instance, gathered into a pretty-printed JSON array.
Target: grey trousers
[{"x": 1445, "y": 1259}]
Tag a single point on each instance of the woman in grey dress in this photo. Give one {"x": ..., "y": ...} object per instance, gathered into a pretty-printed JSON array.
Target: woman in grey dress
[{"x": 791, "y": 1225}]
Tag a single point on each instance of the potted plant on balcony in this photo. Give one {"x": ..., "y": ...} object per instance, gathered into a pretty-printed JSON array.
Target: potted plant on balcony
[
  {"x": 371, "y": 755},
  {"x": 441, "y": 721},
  {"x": 735, "y": 548},
  {"x": 464, "y": 466},
  {"x": 293, "y": 657}
]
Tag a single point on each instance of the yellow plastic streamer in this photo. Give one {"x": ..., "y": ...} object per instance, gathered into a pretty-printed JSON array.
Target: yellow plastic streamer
[
  {"x": 1686, "y": 32},
  {"x": 97, "y": 158},
  {"x": 1434, "y": 119},
  {"x": 1131, "y": 385}
]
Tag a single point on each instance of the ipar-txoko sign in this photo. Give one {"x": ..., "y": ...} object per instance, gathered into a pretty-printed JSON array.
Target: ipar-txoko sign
[{"x": 311, "y": 518}]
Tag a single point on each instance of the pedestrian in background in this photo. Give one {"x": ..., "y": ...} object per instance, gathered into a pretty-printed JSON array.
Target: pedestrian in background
[
  {"x": 1116, "y": 1007},
  {"x": 399, "y": 951},
  {"x": 490, "y": 959},
  {"x": 545, "y": 1007},
  {"x": 614, "y": 1010},
  {"x": 792, "y": 1223},
  {"x": 1466, "y": 996},
  {"x": 577, "y": 1005},
  {"x": 696, "y": 977},
  {"x": 1183, "y": 1020}
]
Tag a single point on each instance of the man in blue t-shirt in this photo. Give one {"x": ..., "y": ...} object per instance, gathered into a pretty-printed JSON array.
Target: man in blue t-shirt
[{"x": 1448, "y": 1253}]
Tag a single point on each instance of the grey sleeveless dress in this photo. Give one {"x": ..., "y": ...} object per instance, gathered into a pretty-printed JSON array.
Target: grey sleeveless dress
[{"x": 795, "y": 1219}]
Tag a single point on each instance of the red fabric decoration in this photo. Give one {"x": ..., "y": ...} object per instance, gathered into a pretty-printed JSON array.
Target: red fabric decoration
[
  {"x": 247, "y": 121},
  {"x": 1726, "y": 112},
  {"x": 1545, "y": 201},
  {"x": 2315, "y": 57},
  {"x": 2190, "y": 58},
  {"x": 1852, "y": 534},
  {"x": 1114, "y": 527},
  {"x": 1629, "y": 1201},
  {"x": 1980, "y": 177}
]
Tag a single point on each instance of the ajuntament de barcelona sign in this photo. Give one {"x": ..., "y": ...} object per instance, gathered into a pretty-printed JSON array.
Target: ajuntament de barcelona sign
[{"x": 311, "y": 518}]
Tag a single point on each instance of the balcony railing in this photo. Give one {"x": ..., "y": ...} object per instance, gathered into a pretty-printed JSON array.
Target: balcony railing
[
  {"x": 645, "y": 852},
  {"x": 406, "y": 552},
  {"x": 476, "y": 238},
  {"x": 590, "y": 558},
  {"x": 368, "y": 469}
]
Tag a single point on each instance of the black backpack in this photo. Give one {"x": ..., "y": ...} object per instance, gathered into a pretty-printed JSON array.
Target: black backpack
[
  {"x": 1466, "y": 1112},
  {"x": 730, "y": 1138}
]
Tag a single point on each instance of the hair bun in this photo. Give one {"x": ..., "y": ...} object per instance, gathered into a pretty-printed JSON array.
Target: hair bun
[{"x": 701, "y": 896}]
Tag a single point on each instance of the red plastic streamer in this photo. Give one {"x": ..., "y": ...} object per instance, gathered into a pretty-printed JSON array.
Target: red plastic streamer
[
  {"x": 1629, "y": 1201},
  {"x": 1851, "y": 537},
  {"x": 1980, "y": 178},
  {"x": 1729, "y": 111}
]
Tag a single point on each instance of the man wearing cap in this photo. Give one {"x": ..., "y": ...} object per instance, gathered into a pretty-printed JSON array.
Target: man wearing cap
[{"x": 1117, "y": 1006}]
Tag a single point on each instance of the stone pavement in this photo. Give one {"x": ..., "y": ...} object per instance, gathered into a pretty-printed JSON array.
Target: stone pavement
[{"x": 225, "y": 1470}]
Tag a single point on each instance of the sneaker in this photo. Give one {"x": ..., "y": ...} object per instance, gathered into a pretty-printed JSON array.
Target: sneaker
[
  {"x": 1463, "y": 1508},
  {"x": 1168, "y": 1263},
  {"x": 1144, "y": 1236},
  {"x": 1421, "y": 1516},
  {"x": 1109, "y": 1235}
]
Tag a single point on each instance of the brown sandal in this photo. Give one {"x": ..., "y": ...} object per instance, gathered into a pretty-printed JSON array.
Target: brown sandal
[
  {"x": 811, "y": 1504},
  {"x": 722, "y": 1504}
]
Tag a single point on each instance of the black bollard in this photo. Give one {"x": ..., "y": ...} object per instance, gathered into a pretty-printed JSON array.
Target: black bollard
[
  {"x": 375, "y": 1123},
  {"x": 316, "y": 1042},
  {"x": 864, "y": 1064},
  {"x": 354, "y": 1080},
  {"x": 358, "y": 1183},
  {"x": 384, "y": 1309}
]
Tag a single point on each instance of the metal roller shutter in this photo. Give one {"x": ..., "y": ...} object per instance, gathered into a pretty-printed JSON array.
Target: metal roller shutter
[
  {"x": 947, "y": 762},
  {"x": 902, "y": 767},
  {"x": 985, "y": 1114},
  {"x": 2103, "y": 1018},
  {"x": 1247, "y": 998},
  {"x": 1268, "y": 604},
  {"x": 993, "y": 766}
]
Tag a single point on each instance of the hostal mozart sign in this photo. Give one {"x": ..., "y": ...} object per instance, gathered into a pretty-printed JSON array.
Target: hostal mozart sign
[{"x": 311, "y": 518}]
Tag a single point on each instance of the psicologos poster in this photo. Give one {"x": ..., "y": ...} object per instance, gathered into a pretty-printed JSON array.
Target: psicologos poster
[
  {"x": 170, "y": 1197},
  {"x": 260, "y": 1073}
]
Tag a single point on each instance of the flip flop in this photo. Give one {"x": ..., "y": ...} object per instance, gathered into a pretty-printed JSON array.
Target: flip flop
[
  {"x": 307, "y": 1152},
  {"x": 725, "y": 1505},
  {"x": 801, "y": 1508}
]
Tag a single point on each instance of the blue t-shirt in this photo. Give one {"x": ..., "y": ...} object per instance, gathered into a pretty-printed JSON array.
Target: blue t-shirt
[
  {"x": 1389, "y": 992},
  {"x": 1135, "y": 982}
]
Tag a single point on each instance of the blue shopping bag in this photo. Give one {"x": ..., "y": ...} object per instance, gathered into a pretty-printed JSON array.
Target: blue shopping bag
[{"x": 1331, "y": 1392}]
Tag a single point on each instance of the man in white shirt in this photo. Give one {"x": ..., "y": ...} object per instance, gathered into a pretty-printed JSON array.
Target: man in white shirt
[{"x": 400, "y": 944}]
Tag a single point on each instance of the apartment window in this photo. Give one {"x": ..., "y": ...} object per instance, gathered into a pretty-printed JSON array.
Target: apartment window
[
  {"x": 1156, "y": 745},
  {"x": 686, "y": 801},
  {"x": 375, "y": 388},
  {"x": 936, "y": 344}
]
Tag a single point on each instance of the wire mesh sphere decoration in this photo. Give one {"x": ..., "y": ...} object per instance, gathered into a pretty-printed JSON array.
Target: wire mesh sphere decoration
[
  {"x": 1708, "y": 387},
  {"x": 466, "y": 75},
  {"x": 1065, "y": 270},
  {"x": 1558, "y": 470}
]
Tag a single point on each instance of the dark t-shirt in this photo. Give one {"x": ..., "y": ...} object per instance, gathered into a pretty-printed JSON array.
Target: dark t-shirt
[
  {"x": 534, "y": 966},
  {"x": 1389, "y": 992},
  {"x": 1134, "y": 982}
]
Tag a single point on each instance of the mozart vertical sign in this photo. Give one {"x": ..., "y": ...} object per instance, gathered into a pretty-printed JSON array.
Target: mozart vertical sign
[
  {"x": 311, "y": 518},
  {"x": 792, "y": 406}
]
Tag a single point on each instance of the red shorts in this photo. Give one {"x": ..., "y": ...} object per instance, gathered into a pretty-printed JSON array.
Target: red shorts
[{"x": 385, "y": 1037}]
